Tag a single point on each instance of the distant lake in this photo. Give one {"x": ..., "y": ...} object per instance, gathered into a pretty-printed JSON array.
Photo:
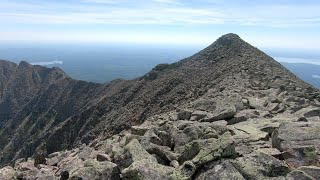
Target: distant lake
[{"x": 103, "y": 63}]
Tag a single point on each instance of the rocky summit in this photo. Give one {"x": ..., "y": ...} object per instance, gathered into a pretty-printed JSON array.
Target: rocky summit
[{"x": 227, "y": 112}]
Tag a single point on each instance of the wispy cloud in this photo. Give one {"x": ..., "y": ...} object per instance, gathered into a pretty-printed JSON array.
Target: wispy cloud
[
  {"x": 47, "y": 63},
  {"x": 316, "y": 76},
  {"x": 46, "y": 19},
  {"x": 298, "y": 60},
  {"x": 174, "y": 11}
]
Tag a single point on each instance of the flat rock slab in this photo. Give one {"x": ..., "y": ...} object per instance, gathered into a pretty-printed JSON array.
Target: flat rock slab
[{"x": 296, "y": 134}]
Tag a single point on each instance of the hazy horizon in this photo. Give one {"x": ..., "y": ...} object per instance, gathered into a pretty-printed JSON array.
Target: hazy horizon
[{"x": 106, "y": 62}]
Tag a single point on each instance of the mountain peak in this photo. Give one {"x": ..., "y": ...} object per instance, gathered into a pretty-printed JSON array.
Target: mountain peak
[
  {"x": 24, "y": 64},
  {"x": 230, "y": 39},
  {"x": 230, "y": 35}
]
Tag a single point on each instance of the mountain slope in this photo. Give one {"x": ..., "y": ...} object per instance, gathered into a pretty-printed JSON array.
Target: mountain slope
[{"x": 224, "y": 79}]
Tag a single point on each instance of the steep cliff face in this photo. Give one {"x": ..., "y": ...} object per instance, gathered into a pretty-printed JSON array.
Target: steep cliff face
[
  {"x": 20, "y": 83},
  {"x": 49, "y": 111},
  {"x": 34, "y": 100}
]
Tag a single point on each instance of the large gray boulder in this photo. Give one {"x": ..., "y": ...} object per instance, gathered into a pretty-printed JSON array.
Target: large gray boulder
[
  {"x": 301, "y": 139},
  {"x": 7, "y": 173},
  {"x": 142, "y": 164},
  {"x": 222, "y": 171},
  {"x": 223, "y": 147},
  {"x": 260, "y": 166},
  {"x": 94, "y": 169}
]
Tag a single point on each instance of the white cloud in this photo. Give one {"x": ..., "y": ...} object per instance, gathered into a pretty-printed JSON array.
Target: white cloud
[
  {"x": 316, "y": 76},
  {"x": 47, "y": 63},
  {"x": 174, "y": 12},
  {"x": 21, "y": 20},
  {"x": 298, "y": 60}
]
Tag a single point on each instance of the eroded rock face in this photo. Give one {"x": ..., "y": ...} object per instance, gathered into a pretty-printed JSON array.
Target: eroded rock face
[{"x": 228, "y": 112}]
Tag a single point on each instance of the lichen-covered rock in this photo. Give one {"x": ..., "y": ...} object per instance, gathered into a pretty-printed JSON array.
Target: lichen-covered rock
[
  {"x": 139, "y": 130},
  {"x": 296, "y": 134},
  {"x": 225, "y": 170},
  {"x": 146, "y": 170},
  {"x": 7, "y": 173},
  {"x": 184, "y": 115},
  {"x": 301, "y": 139},
  {"x": 103, "y": 157},
  {"x": 133, "y": 152},
  {"x": 260, "y": 166},
  {"x": 200, "y": 115},
  {"x": 257, "y": 103},
  {"x": 312, "y": 171},
  {"x": 223, "y": 147},
  {"x": 184, "y": 172},
  {"x": 299, "y": 175},
  {"x": 94, "y": 169},
  {"x": 190, "y": 150}
]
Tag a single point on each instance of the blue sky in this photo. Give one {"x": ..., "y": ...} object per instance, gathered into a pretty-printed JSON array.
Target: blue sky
[{"x": 265, "y": 23}]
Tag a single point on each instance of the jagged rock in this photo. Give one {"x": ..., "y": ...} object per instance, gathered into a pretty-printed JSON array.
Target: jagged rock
[
  {"x": 257, "y": 103},
  {"x": 93, "y": 169},
  {"x": 270, "y": 151},
  {"x": 152, "y": 137},
  {"x": 53, "y": 161},
  {"x": 26, "y": 170},
  {"x": 274, "y": 99},
  {"x": 69, "y": 164},
  {"x": 103, "y": 157},
  {"x": 260, "y": 166},
  {"x": 200, "y": 115},
  {"x": 40, "y": 158},
  {"x": 296, "y": 134},
  {"x": 163, "y": 152},
  {"x": 184, "y": 115},
  {"x": 272, "y": 107},
  {"x": 309, "y": 112},
  {"x": 226, "y": 113},
  {"x": 166, "y": 138},
  {"x": 143, "y": 165},
  {"x": 299, "y": 175},
  {"x": 191, "y": 149},
  {"x": 269, "y": 128},
  {"x": 139, "y": 130},
  {"x": 241, "y": 116},
  {"x": 184, "y": 172},
  {"x": 204, "y": 105},
  {"x": 312, "y": 171},
  {"x": 174, "y": 163},
  {"x": 64, "y": 175},
  {"x": 250, "y": 132},
  {"x": 187, "y": 134},
  {"x": 188, "y": 151},
  {"x": 147, "y": 171},
  {"x": 47, "y": 173},
  {"x": 86, "y": 153},
  {"x": 223, "y": 147},
  {"x": 245, "y": 101},
  {"x": 133, "y": 152},
  {"x": 225, "y": 170},
  {"x": 7, "y": 173}
]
